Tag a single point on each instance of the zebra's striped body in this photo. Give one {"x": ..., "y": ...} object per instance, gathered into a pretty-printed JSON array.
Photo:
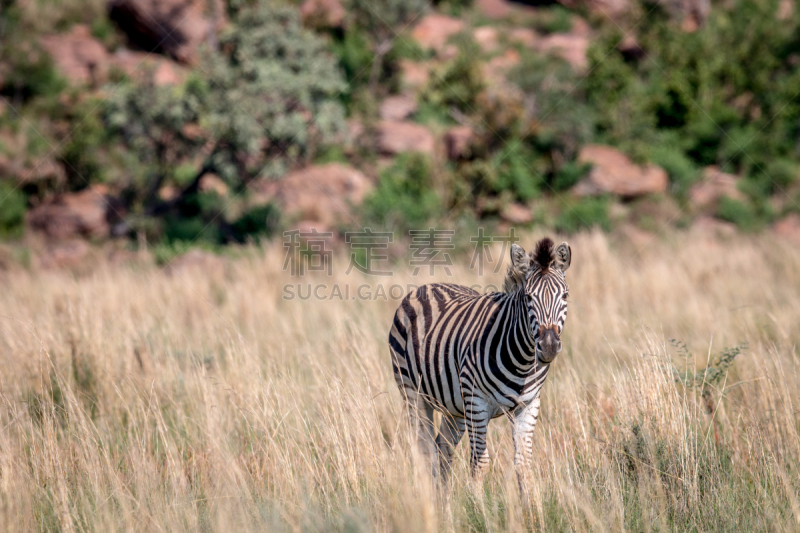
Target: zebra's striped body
[{"x": 476, "y": 357}]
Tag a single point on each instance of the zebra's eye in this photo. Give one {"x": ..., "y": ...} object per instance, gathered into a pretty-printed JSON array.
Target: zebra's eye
[{"x": 565, "y": 295}]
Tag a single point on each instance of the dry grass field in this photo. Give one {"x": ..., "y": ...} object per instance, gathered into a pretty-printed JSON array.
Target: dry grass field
[{"x": 135, "y": 399}]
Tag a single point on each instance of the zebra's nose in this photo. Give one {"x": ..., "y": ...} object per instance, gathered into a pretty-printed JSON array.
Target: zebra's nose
[{"x": 549, "y": 344}]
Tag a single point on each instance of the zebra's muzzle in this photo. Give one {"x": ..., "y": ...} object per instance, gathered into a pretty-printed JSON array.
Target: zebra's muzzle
[{"x": 549, "y": 344}]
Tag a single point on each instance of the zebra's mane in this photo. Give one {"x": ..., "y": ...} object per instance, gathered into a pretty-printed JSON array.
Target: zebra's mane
[
  {"x": 518, "y": 271},
  {"x": 543, "y": 255}
]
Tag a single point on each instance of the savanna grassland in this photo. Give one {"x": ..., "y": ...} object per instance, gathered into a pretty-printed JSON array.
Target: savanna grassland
[{"x": 142, "y": 399}]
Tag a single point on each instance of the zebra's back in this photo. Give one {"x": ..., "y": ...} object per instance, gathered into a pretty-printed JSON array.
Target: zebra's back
[{"x": 430, "y": 334}]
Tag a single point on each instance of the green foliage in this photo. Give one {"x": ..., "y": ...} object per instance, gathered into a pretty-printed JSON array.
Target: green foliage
[
  {"x": 553, "y": 19},
  {"x": 682, "y": 171},
  {"x": 735, "y": 108},
  {"x": 404, "y": 198},
  {"x": 382, "y": 18},
  {"x": 454, "y": 8},
  {"x": 739, "y": 213},
  {"x": 255, "y": 223},
  {"x": 268, "y": 52},
  {"x": 354, "y": 52},
  {"x": 569, "y": 175},
  {"x": 221, "y": 122},
  {"x": 12, "y": 210},
  {"x": 516, "y": 172},
  {"x": 459, "y": 81},
  {"x": 584, "y": 213}
]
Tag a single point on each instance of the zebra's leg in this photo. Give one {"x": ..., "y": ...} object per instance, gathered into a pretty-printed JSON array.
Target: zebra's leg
[
  {"x": 522, "y": 430},
  {"x": 450, "y": 432},
  {"x": 421, "y": 417},
  {"x": 477, "y": 418}
]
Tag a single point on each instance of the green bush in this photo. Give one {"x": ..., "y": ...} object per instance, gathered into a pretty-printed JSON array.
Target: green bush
[
  {"x": 735, "y": 108},
  {"x": 553, "y": 19},
  {"x": 404, "y": 198},
  {"x": 739, "y": 213},
  {"x": 255, "y": 223},
  {"x": 459, "y": 82},
  {"x": 584, "y": 214},
  {"x": 569, "y": 175},
  {"x": 682, "y": 171},
  {"x": 12, "y": 211}
]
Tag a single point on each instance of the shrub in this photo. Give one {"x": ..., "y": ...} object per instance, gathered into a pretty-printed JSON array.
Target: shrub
[
  {"x": 739, "y": 213},
  {"x": 459, "y": 82},
  {"x": 584, "y": 214},
  {"x": 12, "y": 210},
  {"x": 404, "y": 198},
  {"x": 255, "y": 223},
  {"x": 682, "y": 171},
  {"x": 220, "y": 121}
]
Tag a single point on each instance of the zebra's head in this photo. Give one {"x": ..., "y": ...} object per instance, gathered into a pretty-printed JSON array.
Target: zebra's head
[{"x": 540, "y": 275}]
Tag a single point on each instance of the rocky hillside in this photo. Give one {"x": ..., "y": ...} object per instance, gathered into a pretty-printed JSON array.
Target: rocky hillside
[{"x": 209, "y": 122}]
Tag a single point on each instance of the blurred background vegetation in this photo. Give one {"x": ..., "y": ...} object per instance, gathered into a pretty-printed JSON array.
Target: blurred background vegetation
[{"x": 149, "y": 123}]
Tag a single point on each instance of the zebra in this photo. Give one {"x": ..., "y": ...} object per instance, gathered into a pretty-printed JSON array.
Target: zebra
[{"x": 475, "y": 357}]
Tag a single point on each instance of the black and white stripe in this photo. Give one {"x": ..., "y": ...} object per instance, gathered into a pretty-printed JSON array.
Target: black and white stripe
[{"x": 477, "y": 356}]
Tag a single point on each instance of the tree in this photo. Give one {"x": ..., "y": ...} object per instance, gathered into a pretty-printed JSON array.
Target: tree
[{"x": 267, "y": 100}]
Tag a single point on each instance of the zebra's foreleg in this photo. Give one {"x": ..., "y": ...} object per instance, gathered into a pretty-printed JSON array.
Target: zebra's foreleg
[
  {"x": 524, "y": 422},
  {"x": 450, "y": 432},
  {"x": 477, "y": 421}
]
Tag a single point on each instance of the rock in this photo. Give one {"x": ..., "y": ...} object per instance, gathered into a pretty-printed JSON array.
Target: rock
[
  {"x": 448, "y": 52},
  {"x": 82, "y": 214},
  {"x": 398, "y": 137},
  {"x": 168, "y": 193},
  {"x": 318, "y": 193},
  {"x": 137, "y": 65},
  {"x": 486, "y": 37},
  {"x": 709, "y": 227},
  {"x": 630, "y": 48},
  {"x": 570, "y": 47},
  {"x": 25, "y": 171},
  {"x": 322, "y": 13},
  {"x": 525, "y": 36},
  {"x": 398, "y": 107},
  {"x": 434, "y": 30},
  {"x": 66, "y": 254},
  {"x": 494, "y": 71},
  {"x": 212, "y": 182},
  {"x": 78, "y": 56},
  {"x": 457, "y": 141},
  {"x": 173, "y": 27},
  {"x": 715, "y": 184},
  {"x": 613, "y": 172},
  {"x": 607, "y": 8},
  {"x": 503, "y": 104},
  {"x": 494, "y": 9},
  {"x": 414, "y": 75},
  {"x": 785, "y": 9},
  {"x": 788, "y": 228},
  {"x": 516, "y": 214},
  {"x": 352, "y": 135}
]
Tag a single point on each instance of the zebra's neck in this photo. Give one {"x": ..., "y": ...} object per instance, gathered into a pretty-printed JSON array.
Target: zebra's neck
[{"x": 522, "y": 332}]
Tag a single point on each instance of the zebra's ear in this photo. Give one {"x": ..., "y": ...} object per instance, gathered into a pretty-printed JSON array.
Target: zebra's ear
[
  {"x": 563, "y": 257},
  {"x": 519, "y": 259}
]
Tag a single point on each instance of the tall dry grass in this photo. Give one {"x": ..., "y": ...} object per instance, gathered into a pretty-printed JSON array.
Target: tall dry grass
[{"x": 137, "y": 400}]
